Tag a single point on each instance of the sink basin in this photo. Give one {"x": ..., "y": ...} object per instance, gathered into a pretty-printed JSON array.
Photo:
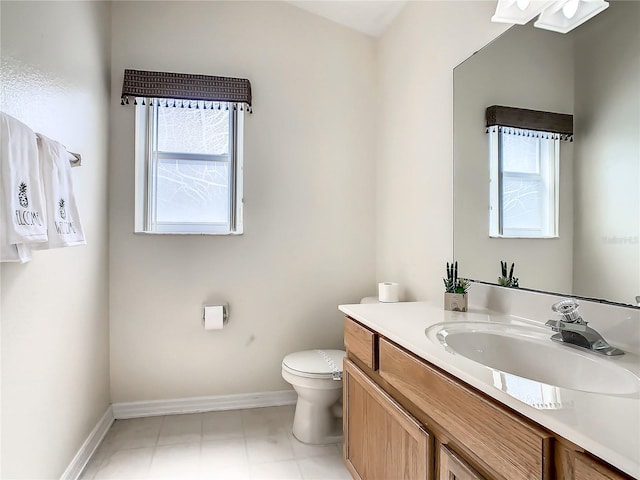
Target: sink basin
[{"x": 527, "y": 352}]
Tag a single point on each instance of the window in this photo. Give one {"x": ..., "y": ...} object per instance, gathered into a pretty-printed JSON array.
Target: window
[
  {"x": 188, "y": 169},
  {"x": 524, "y": 183},
  {"x": 524, "y": 160},
  {"x": 188, "y": 151},
  {"x": 536, "y": 394}
]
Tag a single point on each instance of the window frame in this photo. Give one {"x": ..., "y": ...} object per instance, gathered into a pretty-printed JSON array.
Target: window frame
[
  {"x": 551, "y": 185},
  {"x": 147, "y": 158}
]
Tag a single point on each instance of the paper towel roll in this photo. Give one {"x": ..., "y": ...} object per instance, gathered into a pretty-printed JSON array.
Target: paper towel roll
[
  {"x": 389, "y": 292},
  {"x": 214, "y": 317}
]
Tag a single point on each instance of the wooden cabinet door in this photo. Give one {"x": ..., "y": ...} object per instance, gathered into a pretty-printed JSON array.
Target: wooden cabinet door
[
  {"x": 381, "y": 440},
  {"x": 453, "y": 467}
]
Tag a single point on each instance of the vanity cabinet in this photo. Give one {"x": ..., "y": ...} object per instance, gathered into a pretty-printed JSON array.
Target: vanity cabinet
[
  {"x": 382, "y": 441},
  {"x": 406, "y": 419},
  {"x": 509, "y": 446}
]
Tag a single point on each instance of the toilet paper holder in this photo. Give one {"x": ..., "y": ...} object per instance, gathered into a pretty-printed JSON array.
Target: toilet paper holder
[{"x": 213, "y": 310}]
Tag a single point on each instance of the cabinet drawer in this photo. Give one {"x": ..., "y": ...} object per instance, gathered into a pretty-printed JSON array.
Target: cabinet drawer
[
  {"x": 507, "y": 444},
  {"x": 361, "y": 343}
]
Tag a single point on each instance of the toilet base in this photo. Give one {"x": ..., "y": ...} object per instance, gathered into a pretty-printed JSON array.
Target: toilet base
[
  {"x": 329, "y": 440},
  {"x": 316, "y": 425}
]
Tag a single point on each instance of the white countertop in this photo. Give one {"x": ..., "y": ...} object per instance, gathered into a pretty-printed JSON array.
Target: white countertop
[{"x": 608, "y": 426}]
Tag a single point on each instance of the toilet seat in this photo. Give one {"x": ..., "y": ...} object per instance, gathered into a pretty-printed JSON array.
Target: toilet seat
[{"x": 321, "y": 364}]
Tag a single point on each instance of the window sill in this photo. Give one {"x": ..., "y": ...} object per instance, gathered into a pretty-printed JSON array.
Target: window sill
[
  {"x": 216, "y": 234},
  {"x": 531, "y": 237}
]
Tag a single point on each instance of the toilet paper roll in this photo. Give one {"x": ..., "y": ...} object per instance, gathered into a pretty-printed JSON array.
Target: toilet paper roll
[
  {"x": 214, "y": 317},
  {"x": 389, "y": 292}
]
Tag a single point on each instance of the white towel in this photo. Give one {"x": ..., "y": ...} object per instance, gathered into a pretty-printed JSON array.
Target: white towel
[
  {"x": 12, "y": 253},
  {"x": 63, "y": 220},
  {"x": 19, "y": 253},
  {"x": 22, "y": 213}
]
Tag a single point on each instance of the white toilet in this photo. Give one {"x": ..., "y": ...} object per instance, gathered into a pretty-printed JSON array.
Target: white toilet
[{"x": 316, "y": 376}]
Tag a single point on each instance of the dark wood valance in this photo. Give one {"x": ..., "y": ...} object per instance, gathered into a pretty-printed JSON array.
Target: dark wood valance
[
  {"x": 186, "y": 88},
  {"x": 560, "y": 123}
]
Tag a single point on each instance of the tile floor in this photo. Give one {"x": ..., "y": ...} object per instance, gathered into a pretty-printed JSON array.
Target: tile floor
[{"x": 237, "y": 444}]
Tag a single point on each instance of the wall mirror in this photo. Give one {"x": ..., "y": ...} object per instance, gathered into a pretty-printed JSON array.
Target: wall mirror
[{"x": 593, "y": 73}]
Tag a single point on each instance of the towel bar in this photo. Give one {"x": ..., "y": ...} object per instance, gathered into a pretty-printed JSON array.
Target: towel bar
[{"x": 74, "y": 159}]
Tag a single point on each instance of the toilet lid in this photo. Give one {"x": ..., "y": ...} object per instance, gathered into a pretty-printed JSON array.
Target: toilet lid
[{"x": 315, "y": 363}]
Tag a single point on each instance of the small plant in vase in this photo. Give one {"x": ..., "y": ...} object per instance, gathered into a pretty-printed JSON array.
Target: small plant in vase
[
  {"x": 455, "y": 293},
  {"x": 507, "y": 281}
]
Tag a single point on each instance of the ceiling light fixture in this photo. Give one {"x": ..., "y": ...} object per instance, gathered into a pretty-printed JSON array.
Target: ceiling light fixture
[
  {"x": 570, "y": 8},
  {"x": 519, "y": 11},
  {"x": 566, "y": 15}
]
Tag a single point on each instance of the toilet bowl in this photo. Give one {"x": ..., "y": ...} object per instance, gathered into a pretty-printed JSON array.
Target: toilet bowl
[{"x": 316, "y": 376}]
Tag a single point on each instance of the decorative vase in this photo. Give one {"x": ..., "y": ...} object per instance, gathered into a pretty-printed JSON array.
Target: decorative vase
[{"x": 455, "y": 302}]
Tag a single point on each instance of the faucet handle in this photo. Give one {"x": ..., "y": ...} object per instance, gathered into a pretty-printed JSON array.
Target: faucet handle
[
  {"x": 553, "y": 324},
  {"x": 559, "y": 325},
  {"x": 568, "y": 308}
]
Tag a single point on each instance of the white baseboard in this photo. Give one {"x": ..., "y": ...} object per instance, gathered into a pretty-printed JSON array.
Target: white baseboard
[
  {"x": 203, "y": 404},
  {"x": 89, "y": 446},
  {"x": 169, "y": 407}
]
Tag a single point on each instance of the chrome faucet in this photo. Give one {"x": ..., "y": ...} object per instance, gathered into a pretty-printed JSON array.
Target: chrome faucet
[{"x": 573, "y": 330}]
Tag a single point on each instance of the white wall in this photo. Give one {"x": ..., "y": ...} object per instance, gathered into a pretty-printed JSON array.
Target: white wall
[
  {"x": 607, "y": 249},
  {"x": 55, "y": 336},
  {"x": 415, "y": 137},
  {"x": 516, "y": 70},
  {"x": 309, "y": 241}
]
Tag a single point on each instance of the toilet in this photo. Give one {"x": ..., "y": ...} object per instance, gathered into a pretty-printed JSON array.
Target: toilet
[{"x": 316, "y": 376}]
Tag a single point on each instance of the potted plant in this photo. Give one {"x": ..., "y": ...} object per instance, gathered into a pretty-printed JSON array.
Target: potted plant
[
  {"x": 455, "y": 293},
  {"x": 507, "y": 281}
]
